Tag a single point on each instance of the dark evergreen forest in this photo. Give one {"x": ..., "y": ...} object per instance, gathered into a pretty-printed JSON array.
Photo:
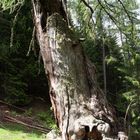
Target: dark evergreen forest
[{"x": 109, "y": 34}]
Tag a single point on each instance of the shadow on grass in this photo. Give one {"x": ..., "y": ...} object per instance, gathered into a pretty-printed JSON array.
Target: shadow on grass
[
  {"x": 12, "y": 131},
  {"x": 18, "y": 127}
]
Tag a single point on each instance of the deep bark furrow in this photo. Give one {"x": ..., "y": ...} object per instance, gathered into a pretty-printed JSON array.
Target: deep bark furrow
[{"x": 68, "y": 116}]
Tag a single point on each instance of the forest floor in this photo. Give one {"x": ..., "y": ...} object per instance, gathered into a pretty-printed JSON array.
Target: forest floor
[
  {"x": 11, "y": 131},
  {"x": 32, "y": 122}
]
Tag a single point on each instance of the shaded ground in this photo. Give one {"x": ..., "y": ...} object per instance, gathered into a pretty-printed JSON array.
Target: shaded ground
[{"x": 28, "y": 123}]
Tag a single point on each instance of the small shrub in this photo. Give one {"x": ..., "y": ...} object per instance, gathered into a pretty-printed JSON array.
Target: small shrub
[{"x": 48, "y": 119}]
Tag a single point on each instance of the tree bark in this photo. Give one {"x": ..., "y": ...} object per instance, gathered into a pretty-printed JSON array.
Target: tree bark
[{"x": 80, "y": 107}]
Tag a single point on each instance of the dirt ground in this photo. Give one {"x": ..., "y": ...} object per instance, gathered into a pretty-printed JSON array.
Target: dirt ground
[{"x": 25, "y": 115}]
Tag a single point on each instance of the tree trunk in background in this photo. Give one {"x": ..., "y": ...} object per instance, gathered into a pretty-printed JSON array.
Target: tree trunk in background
[{"x": 80, "y": 107}]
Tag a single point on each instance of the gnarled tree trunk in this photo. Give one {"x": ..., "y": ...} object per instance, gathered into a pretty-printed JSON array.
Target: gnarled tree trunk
[{"x": 80, "y": 107}]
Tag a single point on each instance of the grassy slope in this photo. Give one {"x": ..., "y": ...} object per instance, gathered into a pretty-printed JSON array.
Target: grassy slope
[
  {"x": 38, "y": 110},
  {"x": 17, "y": 132}
]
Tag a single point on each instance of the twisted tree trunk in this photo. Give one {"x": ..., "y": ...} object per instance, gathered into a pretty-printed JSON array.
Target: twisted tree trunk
[{"x": 80, "y": 107}]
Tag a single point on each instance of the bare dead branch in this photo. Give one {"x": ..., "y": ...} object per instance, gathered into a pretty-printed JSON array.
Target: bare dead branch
[
  {"x": 38, "y": 127},
  {"x": 91, "y": 10},
  {"x": 31, "y": 42},
  {"x": 13, "y": 26},
  {"x": 112, "y": 19},
  {"x": 127, "y": 12},
  {"x": 92, "y": 17},
  {"x": 110, "y": 16},
  {"x": 109, "y": 6},
  {"x": 39, "y": 62},
  {"x": 87, "y": 5},
  {"x": 126, "y": 114}
]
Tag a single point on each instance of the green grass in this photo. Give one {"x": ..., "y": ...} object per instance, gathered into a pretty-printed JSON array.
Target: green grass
[{"x": 18, "y": 132}]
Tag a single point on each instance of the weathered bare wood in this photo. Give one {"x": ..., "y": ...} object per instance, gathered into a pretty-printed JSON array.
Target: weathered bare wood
[
  {"x": 37, "y": 127},
  {"x": 80, "y": 107}
]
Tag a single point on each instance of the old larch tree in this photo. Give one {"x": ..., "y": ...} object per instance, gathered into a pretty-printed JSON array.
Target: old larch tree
[{"x": 81, "y": 109}]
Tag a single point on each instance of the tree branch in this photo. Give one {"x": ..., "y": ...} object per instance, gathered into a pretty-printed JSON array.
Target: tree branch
[
  {"x": 113, "y": 19},
  {"x": 13, "y": 26},
  {"x": 32, "y": 45},
  {"x": 87, "y": 5},
  {"x": 91, "y": 10},
  {"x": 130, "y": 18},
  {"x": 38, "y": 127}
]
